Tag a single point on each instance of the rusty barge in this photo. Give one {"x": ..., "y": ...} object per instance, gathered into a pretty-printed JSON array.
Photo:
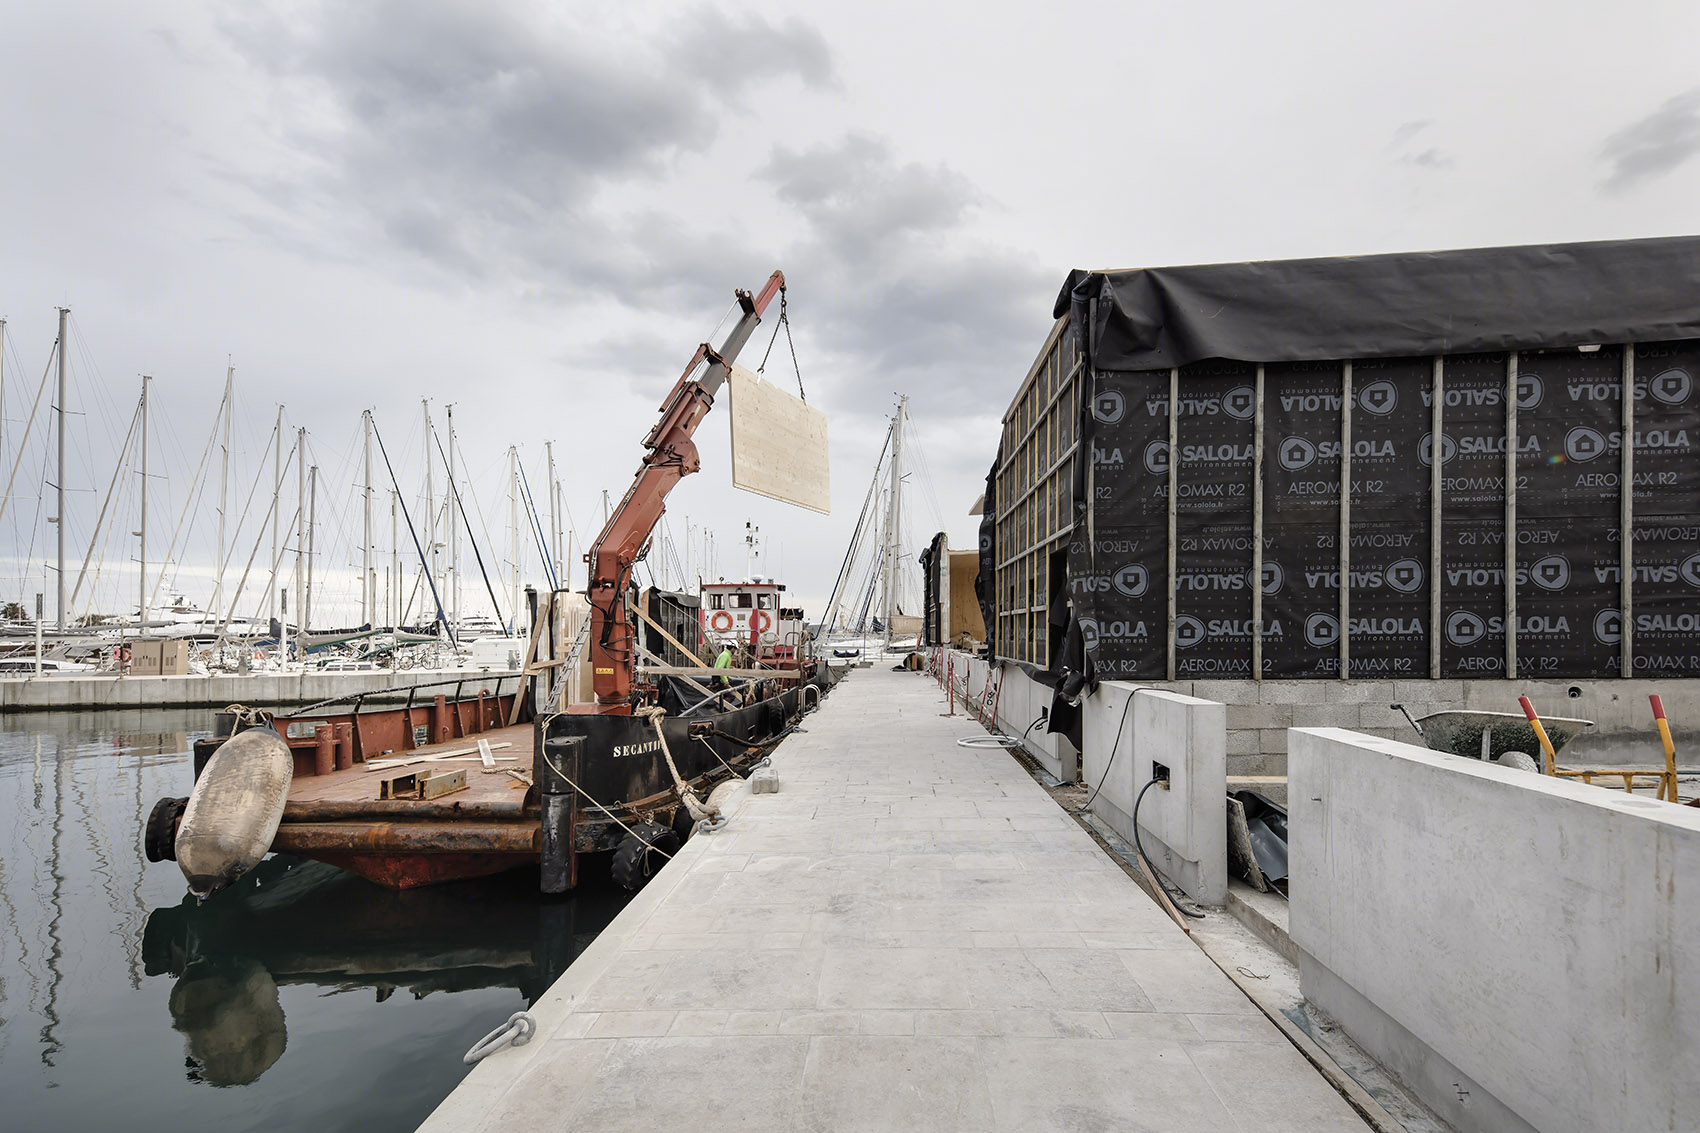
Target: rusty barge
[{"x": 465, "y": 784}]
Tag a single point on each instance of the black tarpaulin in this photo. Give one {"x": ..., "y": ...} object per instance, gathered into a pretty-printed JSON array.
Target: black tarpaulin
[{"x": 1479, "y": 299}]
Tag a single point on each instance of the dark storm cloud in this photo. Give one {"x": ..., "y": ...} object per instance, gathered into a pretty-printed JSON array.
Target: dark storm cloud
[
  {"x": 1428, "y": 158},
  {"x": 1655, "y": 145},
  {"x": 916, "y": 301},
  {"x": 1405, "y": 131},
  {"x": 495, "y": 149},
  {"x": 475, "y": 136}
]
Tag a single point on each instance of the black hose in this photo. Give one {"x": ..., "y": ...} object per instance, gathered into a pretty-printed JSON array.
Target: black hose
[
  {"x": 1141, "y": 848},
  {"x": 1115, "y": 749}
]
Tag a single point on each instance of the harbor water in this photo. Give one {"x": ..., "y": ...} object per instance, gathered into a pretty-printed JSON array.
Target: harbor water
[{"x": 303, "y": 998}]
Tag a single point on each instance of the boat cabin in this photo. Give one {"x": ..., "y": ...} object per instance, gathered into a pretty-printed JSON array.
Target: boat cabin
[{"x": 752, "y": 614}]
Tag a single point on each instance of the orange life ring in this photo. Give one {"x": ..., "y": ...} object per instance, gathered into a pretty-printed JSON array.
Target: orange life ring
[
  {"x": 759, "y": 621},
  {"x": 721, "y": 621}
]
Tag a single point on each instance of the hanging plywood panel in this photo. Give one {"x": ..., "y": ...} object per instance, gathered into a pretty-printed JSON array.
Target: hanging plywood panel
[{"x": 778, "y": 444}]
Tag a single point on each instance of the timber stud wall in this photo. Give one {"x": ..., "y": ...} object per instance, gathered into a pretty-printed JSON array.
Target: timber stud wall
[{"x": 1035, "y": 480}]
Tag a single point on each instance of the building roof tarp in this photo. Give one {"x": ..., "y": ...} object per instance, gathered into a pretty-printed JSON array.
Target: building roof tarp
[{"x": 1415, "y": 303}]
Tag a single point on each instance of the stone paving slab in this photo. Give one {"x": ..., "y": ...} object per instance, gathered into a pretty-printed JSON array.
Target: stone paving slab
[{"x": 910, "y": 934}]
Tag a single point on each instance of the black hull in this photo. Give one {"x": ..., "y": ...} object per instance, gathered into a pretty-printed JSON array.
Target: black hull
[{"x": 623, "y": 774}]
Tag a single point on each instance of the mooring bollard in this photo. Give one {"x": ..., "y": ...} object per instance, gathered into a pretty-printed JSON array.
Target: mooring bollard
[
  {"x": 344, "y": 746},
  {"x": 558, "y": 759},
  {"x": 324, "y": 756}
]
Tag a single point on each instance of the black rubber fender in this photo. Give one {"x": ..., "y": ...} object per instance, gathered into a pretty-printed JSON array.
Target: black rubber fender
[
  {"x": 640, "y": 853},
  {"x": 683, "y": 824},
  {"x": 159, "y": 835}
]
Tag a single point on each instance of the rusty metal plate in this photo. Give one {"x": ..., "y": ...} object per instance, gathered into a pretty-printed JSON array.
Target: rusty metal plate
[
  {"x": 442, "y": 783},
  {"x": 778, "y": 444}
]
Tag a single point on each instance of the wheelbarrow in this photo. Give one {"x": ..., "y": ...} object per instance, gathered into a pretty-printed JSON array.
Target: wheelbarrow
[{"x": 1506, "y": 738}]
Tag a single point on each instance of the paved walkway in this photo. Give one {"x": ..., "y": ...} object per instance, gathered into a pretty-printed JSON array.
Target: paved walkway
[{"x": 909, "y": 935}]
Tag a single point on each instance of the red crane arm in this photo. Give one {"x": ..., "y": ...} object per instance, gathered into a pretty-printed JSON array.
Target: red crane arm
[{"x": 671, "y": 456}]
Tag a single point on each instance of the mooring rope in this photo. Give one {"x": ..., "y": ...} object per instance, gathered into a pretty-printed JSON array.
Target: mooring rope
[
  {"x": 556, "y": 768},
  {"x": 517, "y": 1031},
  {"x": 653, "y": 713}
]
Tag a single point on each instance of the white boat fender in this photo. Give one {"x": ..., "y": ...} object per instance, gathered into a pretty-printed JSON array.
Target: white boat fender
[{"x": 234, "y": 810}]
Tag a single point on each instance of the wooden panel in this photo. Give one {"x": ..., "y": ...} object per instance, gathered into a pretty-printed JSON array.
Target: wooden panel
[{"x": 778, "y": 444}]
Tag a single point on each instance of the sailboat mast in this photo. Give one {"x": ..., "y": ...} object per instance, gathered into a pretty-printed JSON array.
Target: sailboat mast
[
  {"x": 893, "y": 540},
  {"x": 454, "y": 528},
  {"x": 394, "y": 586},
  {"x": 368, "y": 584},
  {"x": 430, "y": 563},
  {"x": 223, "y": 484},
  {"x": 312, "y": 528},
  {"x": 513, "y": 516},
  {"x": 554, "y": 515},
  {"x": 142, "y": 548},
  {"x": 300, "y": 529},
  {"x": 59, "y": 521},
  {"x": 277, "y": 496}
]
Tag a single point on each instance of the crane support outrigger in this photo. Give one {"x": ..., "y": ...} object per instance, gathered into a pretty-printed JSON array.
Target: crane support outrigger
[{"x": 671, "y": 456}]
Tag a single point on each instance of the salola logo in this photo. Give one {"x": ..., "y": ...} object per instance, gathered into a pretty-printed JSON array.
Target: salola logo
[
  {"x": 1425, "y": 449},
  {"x": 1380, "y": 398},
  {"x": 1672, "y": 387},
  {"x": 1157, "y": 458},
  {"x": 1322, "y": 630},
  {"x": 1132, "y": 580},
  {"x": 1690, "y": 570},
  {"x": 1273, "y": 577},
  {"x": 1240, "y": 402},
  {"x": 1089, "y": 634},
  {"x": 1530, "y": 390},
  {"x": 1583, "y": 444},
  {"x": 1608, "y": 627},
  {"x": 1109, "y": 406},
  {"x": 1464, "y": 628},
  {"x": 1189, "y": 631},
  {"x": 1297, "y": 453},
  {"x": 1405, "y": 576},
  {"x": 1551, "y": 572},
  {"x": 1107, "y": 457}
]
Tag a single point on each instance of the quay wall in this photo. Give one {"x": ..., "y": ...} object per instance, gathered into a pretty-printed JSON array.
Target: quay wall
[
  {"x": 1126, "y": 729},
  {"x": 1542, "y": 933},
  {"x": 263, "y": 690}
]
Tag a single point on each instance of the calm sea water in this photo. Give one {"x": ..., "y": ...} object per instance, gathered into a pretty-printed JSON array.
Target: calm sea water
[{"x": 303, "y": 998}]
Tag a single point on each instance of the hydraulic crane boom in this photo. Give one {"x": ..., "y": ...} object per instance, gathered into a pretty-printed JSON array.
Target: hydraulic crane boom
[{"x": 671, "y": 456}]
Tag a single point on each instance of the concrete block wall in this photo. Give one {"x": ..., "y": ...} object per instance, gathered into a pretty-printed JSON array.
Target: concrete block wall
[
  {"x": 1126, "y": 728},
  {"x": 1260, "y": 712},
  {"x": 1520, "y": 950}
]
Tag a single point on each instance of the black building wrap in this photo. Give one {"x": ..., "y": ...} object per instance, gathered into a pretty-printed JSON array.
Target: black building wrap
[
  {"x": 1561, "y": 314},
  {"x": 989, "y": 557}
]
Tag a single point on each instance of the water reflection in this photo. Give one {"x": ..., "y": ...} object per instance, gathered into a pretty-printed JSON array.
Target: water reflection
[
  {"x": 292, "y": 921},
  {"x": 283, "y": 990}
]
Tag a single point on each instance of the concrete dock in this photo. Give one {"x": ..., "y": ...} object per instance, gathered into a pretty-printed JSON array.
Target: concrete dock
[{"x": 911, "y": 934}]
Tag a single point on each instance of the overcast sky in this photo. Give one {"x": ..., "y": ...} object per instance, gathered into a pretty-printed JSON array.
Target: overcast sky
[{"x": 537, "y": 211}]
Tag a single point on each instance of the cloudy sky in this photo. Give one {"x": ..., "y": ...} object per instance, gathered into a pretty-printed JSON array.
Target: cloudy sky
[{"x": 535, "y": 212}]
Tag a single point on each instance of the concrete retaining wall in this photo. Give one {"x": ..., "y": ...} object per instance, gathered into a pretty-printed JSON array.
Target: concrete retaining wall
[
  {"x": 1544, "y": 934},
  {"x": 1126, "y": 729},
  {"x": 265, "y": 690},
  {"x": 1260, "y": 712}
]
